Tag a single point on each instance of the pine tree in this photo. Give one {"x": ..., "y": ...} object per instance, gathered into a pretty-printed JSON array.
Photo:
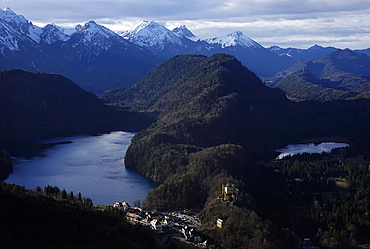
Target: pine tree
[{"x": 64, "y": 194}]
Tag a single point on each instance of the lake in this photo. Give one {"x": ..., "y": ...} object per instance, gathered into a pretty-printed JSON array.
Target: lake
[
  {"x": 293, "y": 149},
  {"x": 91, "y": 165}
]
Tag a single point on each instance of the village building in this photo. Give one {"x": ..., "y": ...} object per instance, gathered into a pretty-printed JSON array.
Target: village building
[
  {"x": 229, "y": 194},
  {"x": 156, "y": 225},
  {"x": 145, "y": 222},
  {"x": 219, "y": 223},
  {"x": 190, "y": 234},
  {"x": 137, "y": 209},
  {"x": 168, "y": 222},
  {"x": 122, "y": 205},
  {"x": 133, "y": 217}
]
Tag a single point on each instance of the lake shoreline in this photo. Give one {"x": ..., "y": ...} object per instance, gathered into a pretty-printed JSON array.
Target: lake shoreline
[
  {"x": 78, "y": 163},
  {"x": 318, "y": 140},
  {"x": 310, "y": 148}
]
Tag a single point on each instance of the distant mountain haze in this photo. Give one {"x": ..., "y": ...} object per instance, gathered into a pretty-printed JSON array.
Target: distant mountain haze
[{"x": 339, "y": 75}]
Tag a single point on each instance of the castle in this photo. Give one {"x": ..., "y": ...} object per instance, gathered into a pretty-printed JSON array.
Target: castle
[{"x": 229, "y": 193}]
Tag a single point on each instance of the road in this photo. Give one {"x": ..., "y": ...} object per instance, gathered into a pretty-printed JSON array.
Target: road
[{"x": 192, "y": 220}]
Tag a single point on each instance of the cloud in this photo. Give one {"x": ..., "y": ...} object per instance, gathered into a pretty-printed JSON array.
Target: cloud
[{"x": 282, "y": 22}]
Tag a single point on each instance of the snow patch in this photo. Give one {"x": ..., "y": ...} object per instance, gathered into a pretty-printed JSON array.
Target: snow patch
[
  {"x": 52, "y": 33},
  {"x": 234, "y": 39},
  {"x": 183, "y": 31},
  {"x": 35, "y": 32},
  {"x": 151, "y": 34}
]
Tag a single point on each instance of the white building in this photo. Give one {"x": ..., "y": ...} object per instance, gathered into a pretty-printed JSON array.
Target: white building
[
  {"x": 156, "y": 225},
  {"x": 168, "y": 222},
  {"x": 121, "y": 205}
]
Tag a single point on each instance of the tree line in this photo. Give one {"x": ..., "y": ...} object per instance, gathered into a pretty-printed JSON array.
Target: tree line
[
  {"x": 53, "y": 218},
  {"x": 317, "y": 196}
]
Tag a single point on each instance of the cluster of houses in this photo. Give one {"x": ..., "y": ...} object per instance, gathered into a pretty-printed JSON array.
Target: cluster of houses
[
  {"x": 137, "y": 215},
  {"x": 190, "y": 234},
  {"x": 145, "y": 218},
  {"x": 159, "y": 221}
]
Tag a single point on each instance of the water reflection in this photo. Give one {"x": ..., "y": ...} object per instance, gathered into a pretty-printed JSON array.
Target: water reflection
[
  {"x": 92, "y": 165},
  {"x": 293, "y": 149}
]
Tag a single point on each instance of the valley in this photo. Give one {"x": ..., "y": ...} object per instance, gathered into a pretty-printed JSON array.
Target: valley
[
  {"x": 193, "y": 147},
  {"x": 205, "y": 113},
  {"x": 214, "y": 122}
]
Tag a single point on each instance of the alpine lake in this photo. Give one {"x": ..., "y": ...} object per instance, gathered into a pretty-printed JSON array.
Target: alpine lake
[{"x": 90, "y": 165}]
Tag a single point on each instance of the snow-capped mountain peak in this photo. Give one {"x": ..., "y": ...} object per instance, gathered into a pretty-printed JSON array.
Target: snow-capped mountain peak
[
  {"x": 151, "y": 34},
  {"x": 15, "y": 29},
  {"x": 234, "y": 39},
  {"x": 315, "y": 47},
  {"x": 94, "y": 38},
  {"x": 137, "y": 28},
  {"x": 183, "y": 30},
  {"x": 92, "y": 31},
  {"x": 9, "y": 11},
  {"x": 274, "y": 48},
  {"x": 9, "y": 16},
  {"x": 52, "y": 33},
  {"x": 92, "y": 27}
]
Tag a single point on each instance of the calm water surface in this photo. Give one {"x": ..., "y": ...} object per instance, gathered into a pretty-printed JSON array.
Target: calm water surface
[
  {"x": 91, "y": 165},
  {"x": 293, "y": 149}
]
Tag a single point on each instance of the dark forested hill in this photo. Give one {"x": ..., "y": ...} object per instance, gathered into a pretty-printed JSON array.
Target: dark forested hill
[
  {"x": 215, "y": 115},
  {"x": 213, "y": 112},
  {"x": 41, "y": 105},
  {"x": 303, "y": 85},
  {"x": 156, "y": 84},
  {"x": 207, "y": 103},
  {"x": 44, "y": 218}
]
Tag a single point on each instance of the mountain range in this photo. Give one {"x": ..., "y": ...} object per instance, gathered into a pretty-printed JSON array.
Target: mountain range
[
  {"x": 166, "y": 44},
  {"x": 99, "y": 59},
  {"x": 91, "y": 55},
  {"x": 313, "y": 53},
  {"x": 340, "y": 74}
]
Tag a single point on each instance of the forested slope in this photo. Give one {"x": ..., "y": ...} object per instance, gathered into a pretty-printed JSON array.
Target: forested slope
[
  {"x": 52, "y": 218},
  {"x": 34, "y": 105},
  {"x": 212, "y": 102},
  {"x": 215, "y": 116}
]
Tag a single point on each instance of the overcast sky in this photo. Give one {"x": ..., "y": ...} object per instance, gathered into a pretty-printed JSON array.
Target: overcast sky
[{"x": 286, "y": 23}]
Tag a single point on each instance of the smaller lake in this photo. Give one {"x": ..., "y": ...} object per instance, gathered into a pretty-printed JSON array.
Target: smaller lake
[
  {"x": 91, "y": 165},
  {"x": 293, "y": 149}
]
